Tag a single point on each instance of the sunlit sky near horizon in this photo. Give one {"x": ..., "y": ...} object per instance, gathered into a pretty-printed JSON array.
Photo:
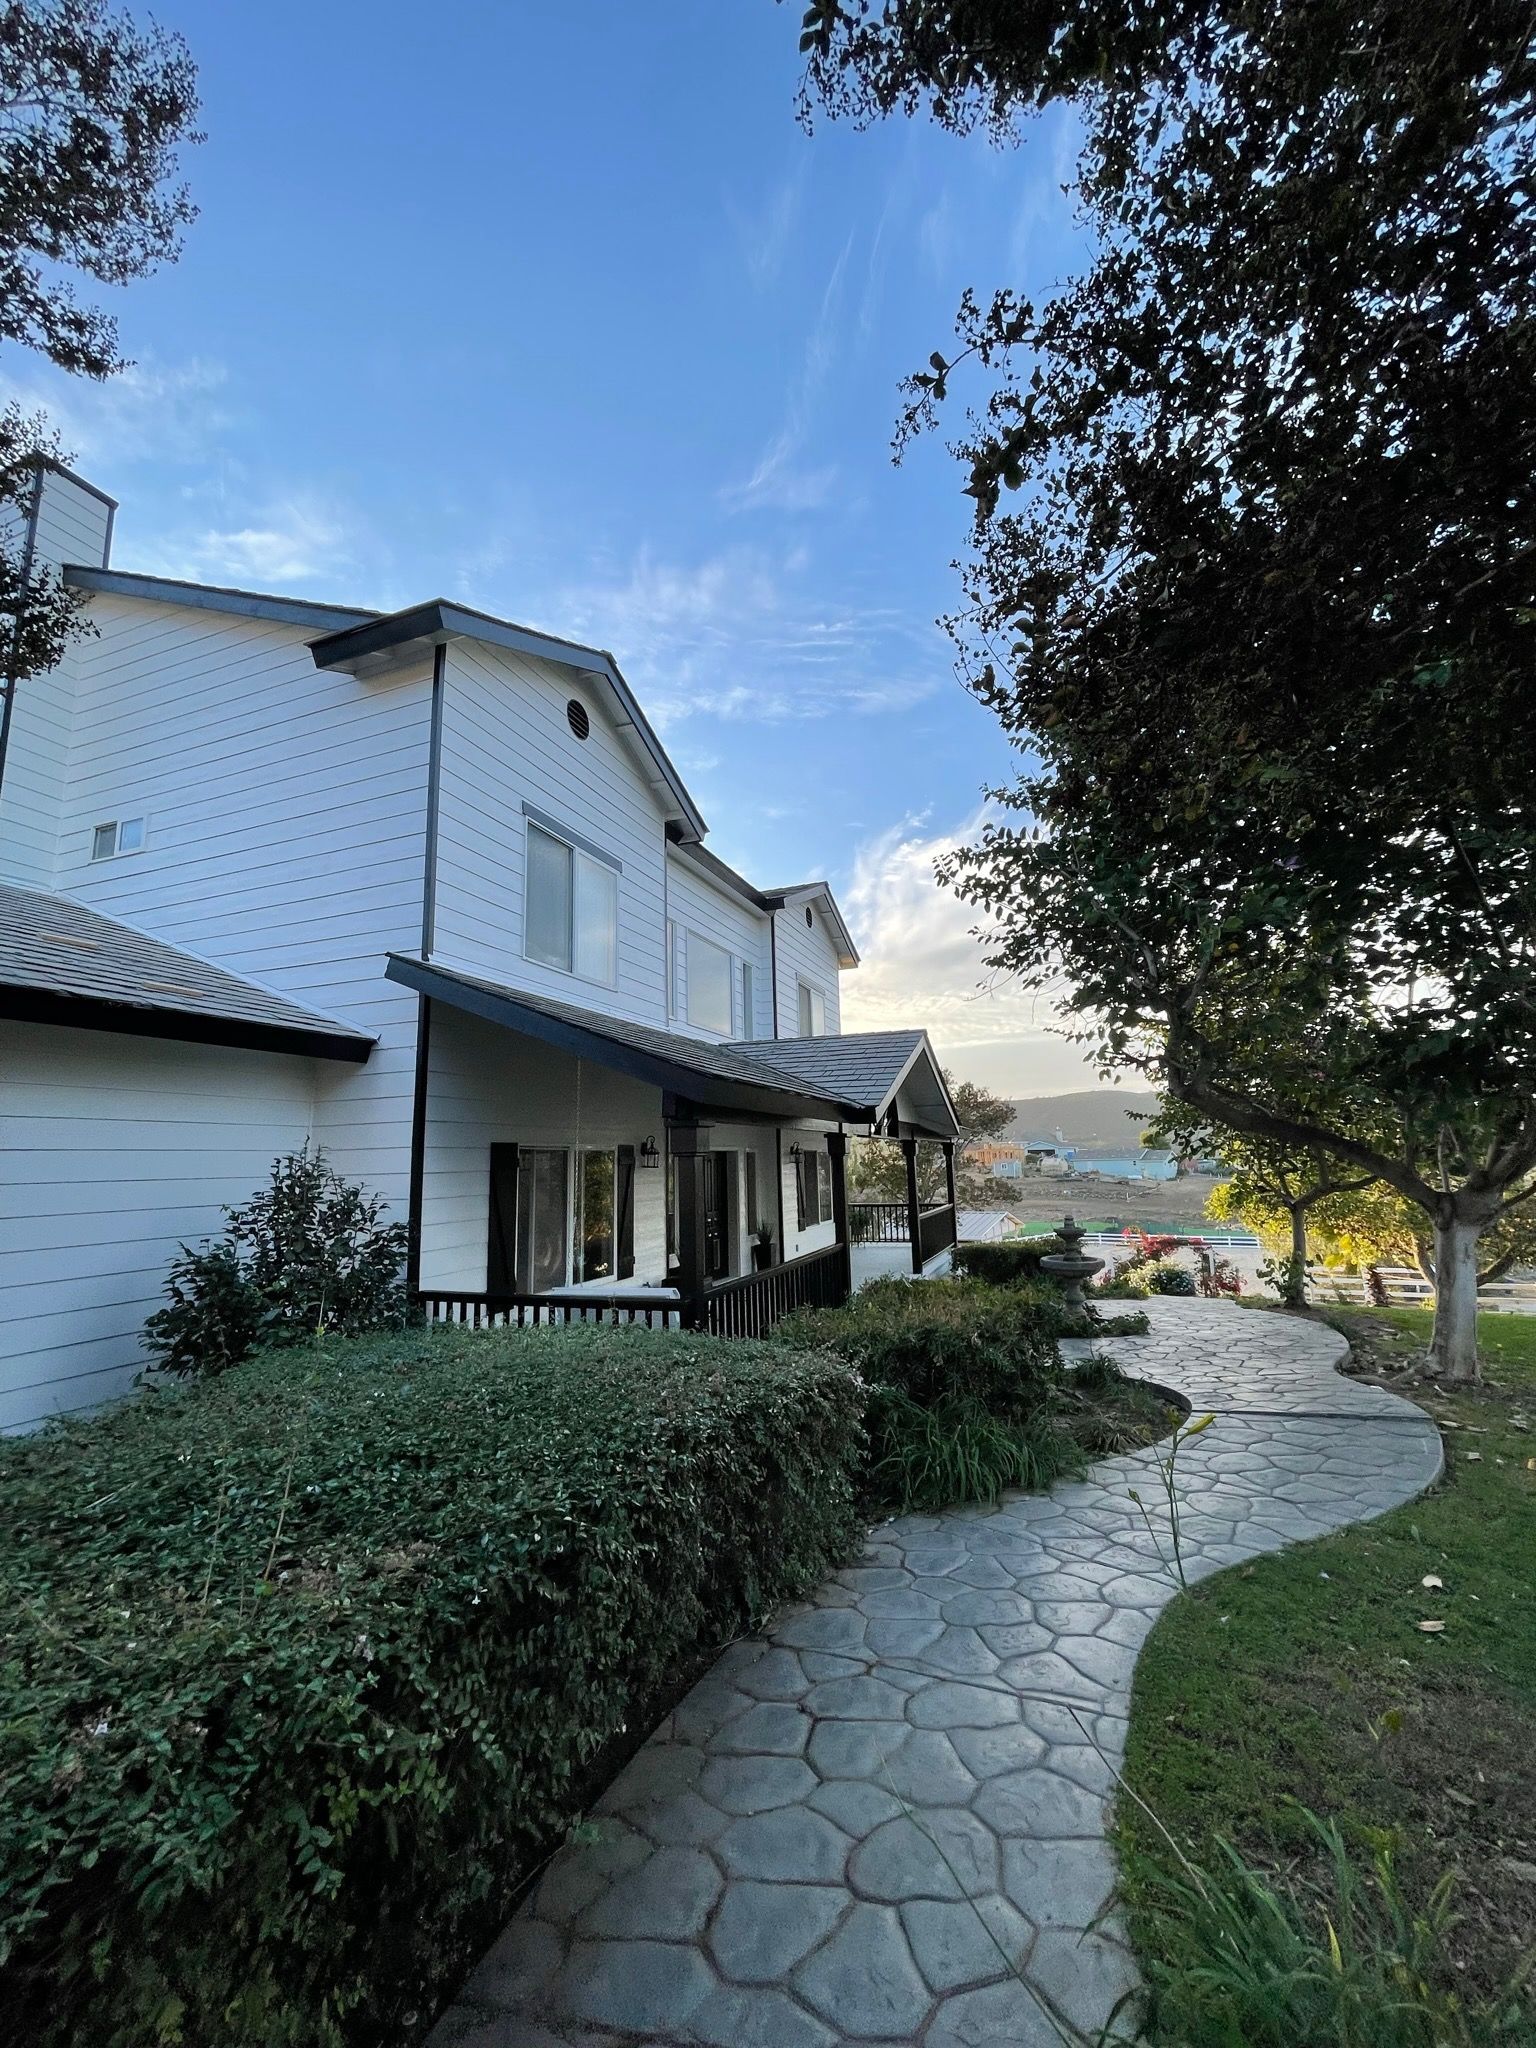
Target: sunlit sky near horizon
[{"x": 555, "y": 308}]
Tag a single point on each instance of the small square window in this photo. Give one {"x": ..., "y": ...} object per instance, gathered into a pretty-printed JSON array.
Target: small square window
[
  {"x": 118, "y": 835},
  {"x": 104, "y": 842}
]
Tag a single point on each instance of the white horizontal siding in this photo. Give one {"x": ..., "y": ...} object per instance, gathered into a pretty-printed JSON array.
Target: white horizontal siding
[
  {"x": 506, "y": 742},
  {"x": 285, "y": 835},
  {"x": 71, "y": 526},
  {"x": 116, "y": 1151},
  {"x": 805, "y": 953},
  {"x": 489, "y": 1086},
  {"x": 695, "y": 904}
]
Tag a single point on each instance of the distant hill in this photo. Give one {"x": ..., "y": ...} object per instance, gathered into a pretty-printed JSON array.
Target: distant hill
[{"x": 1098, "y": 1118}]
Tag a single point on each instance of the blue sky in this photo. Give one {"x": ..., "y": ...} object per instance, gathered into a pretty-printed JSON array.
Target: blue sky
[{"x": 553, "y": 306}]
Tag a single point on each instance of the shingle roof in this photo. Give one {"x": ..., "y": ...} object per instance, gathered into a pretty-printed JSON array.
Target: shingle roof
[
  {"x": 862, "y": 1067},
  {"x": 665, "y": 1057},
  {"x": 63, "y": 963}
]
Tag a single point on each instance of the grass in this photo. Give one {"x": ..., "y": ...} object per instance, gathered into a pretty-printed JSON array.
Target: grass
[{"x": 1303, "y": 1681}]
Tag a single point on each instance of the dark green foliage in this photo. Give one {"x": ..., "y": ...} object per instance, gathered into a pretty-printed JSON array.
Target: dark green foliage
[
  {"x": 1170, "y": 1279},
  {"x": 311, "y": 1251},
  {"x": 942, "y": 1339},
  {"x": 303, "y": 1665},
  {"x": 956, "y": 1451},
  {"x": 1004, "y": 1263}
]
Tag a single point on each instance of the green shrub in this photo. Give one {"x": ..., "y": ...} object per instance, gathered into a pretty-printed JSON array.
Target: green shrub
[
  {"x": 1008, "y": 1261},
  {"x": 943, "y": 1338},
  {"x": 1170, "y": 1279},
  {"x": 955, "y": 1451},
  {"x": 305, "y": 1664},
  {"x": 309, "y": 1251}
]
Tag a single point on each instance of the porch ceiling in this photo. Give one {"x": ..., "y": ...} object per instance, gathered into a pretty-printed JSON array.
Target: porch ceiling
[{"x": 705, "y": 1076}]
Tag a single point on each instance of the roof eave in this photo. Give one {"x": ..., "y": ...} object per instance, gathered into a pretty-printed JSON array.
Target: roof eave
[{"x": 27, "y": 1005}]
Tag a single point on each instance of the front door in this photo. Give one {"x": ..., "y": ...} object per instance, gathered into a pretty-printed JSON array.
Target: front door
[{"x": 717, "y": 1226}]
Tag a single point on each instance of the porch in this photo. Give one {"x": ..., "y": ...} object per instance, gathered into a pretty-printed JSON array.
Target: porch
[{"x": 572, "y": 1167}]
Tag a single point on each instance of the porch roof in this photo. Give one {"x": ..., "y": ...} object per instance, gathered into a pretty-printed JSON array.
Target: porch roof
[
  {"x": 697, "y": 1072},
  {"x": 852, "y": 1080},
  {"x": 61, "y": 963},
  {"x": 881, "y": 1070}
]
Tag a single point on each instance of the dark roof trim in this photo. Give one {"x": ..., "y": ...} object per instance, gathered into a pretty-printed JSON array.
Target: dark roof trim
[
  {"x": 777, "y": 1096},
  {"x": 212, "y": 597},
  {"x": 444, "y": 620},
  {"x": 727, "y": 877},
  {"x": 820, "y": 892},
  {"x": 81, "y": 483},
  {"x": 189, "y": 1027}
]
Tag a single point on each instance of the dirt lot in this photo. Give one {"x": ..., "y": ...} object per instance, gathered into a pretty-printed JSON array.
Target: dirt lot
[{"x": 1093, "y": 1197}]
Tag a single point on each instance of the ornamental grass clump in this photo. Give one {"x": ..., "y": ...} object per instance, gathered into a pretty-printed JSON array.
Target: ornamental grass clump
[{"x": 307, "y": 1664}]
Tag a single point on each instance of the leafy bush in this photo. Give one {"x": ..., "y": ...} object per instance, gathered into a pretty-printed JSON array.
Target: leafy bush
[
  {"x": 942, "y": 1338},
  {"x": 953, "y": 1451},
  {"x": 1170, "y": 1279},
  {"x": 1006, "y": 1262},
  {"x": 1348, "y": 1964},
  {"x": 305, "y": 1664},
  {"x": 309, "y": 1252},
  {"x": 1119, "y": 1284}
]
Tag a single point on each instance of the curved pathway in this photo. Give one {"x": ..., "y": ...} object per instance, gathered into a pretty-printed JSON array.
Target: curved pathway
[{"x": 883, "y": 1821}]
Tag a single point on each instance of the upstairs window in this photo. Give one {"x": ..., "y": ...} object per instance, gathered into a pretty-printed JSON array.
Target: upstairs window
[
  {"x": 709, "y": 985},
  {"x": 118, "y": 835},
  {"x": 813, "y": 1012},
  {"x": 570, "y": 909}
]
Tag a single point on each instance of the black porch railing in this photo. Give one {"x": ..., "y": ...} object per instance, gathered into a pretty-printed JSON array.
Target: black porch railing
[
  {"x": 877, "y": 1222},
  {"x": 747, "y": 1307},
  {"x": 499, "y": 1311},
  {"x": 752, "y": 1305},
  {"x": 935, "y": 1232}
]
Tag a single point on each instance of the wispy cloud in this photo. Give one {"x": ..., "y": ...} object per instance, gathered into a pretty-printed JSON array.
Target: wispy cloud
[
  {"x": 740, "y": 636},
  {"x": 779, "y": 479},
  {"x": 299, "y": 539},
  {"x": 923, "y": 964},
  {"x": 767, "y": 235},
  {"x": 172, "y": 412}
]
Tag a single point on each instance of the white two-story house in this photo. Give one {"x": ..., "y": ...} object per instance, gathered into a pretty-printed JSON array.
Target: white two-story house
[{"x": 422, "y": 889}]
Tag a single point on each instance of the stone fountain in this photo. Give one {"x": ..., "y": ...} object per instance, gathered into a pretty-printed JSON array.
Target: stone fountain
[{"x": 1073, "y": 1266}]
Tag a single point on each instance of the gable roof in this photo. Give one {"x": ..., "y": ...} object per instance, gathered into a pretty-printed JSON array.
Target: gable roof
[
  {"x": 867, "y": 1067},
  {"x": 770, "y": 900},
  {"x": 353, "y": 638},
  {"x": 63, "y": 964}
]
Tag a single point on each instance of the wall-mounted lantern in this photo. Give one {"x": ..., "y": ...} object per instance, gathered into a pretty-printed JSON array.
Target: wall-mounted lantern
[{"x": 649, "y": 1156}]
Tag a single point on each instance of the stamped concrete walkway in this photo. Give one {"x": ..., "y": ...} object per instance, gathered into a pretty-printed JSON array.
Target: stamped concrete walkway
[{"x": 883, "y": 1821}]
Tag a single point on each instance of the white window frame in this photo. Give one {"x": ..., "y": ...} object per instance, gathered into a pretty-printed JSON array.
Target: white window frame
[
  {"x": 581, "y": 859},
  {"x": 691, "y": 939},
  {"x": 804, "y": 988},
  {"x": 748, "y": 1002},
  {"x": 115, "y": 826}
]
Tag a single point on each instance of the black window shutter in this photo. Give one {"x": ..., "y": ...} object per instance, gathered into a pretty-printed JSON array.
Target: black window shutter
[
  {"x": 624, "y": 1206},
  {"x": 501, "y": 1252},
  {"x": 802, "y": 1160}
]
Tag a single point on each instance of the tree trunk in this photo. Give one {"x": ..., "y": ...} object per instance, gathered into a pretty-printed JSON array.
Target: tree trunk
[
  {"x": 1453, "y": 1347},
  {"x": 1293, "y": 1289}
]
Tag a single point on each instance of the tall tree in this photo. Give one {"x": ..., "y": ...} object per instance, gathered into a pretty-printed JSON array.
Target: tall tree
[
  {"x": 1253, "y": 560},
  {"x": 92, "y": 110}
]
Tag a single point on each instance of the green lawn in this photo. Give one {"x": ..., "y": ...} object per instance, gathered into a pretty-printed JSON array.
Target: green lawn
[{"x": 1305, "y": 1678}]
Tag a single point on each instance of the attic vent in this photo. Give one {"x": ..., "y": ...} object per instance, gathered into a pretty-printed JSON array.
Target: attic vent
[
  {"x": 576, "y": 718},
  {"x": 69, "y": 939},
  {"x": 810, "y": 921}
]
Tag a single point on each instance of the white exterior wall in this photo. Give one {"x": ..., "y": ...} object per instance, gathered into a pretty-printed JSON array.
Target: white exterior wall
[
  {"x": 73, "y": 525},
  {"x": 805, "y": 953},
  {"x": 816, "y": 1237},
  {"x": 285, "y": 833},
  {"x": 696, "y": 904},
  {"x": 506, "y": 741},
  {"x": 488, "y": 1086},
  {"x": 117, "y": 1150}
]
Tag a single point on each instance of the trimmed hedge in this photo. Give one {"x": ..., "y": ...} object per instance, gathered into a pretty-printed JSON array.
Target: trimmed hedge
[
  {"x": 305, "y": 1665},
  {"x": 1008, "y": 1261},
  {"x": 942, "y": 1340}
]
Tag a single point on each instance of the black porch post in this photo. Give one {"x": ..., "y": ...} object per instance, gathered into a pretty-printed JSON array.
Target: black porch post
[
  {"x": 949, "y": 1189},
  {"x": 837, "y": 1152},
  {"x": 914, "y": 1228},
  {"x": 690, "y": 1142}
]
